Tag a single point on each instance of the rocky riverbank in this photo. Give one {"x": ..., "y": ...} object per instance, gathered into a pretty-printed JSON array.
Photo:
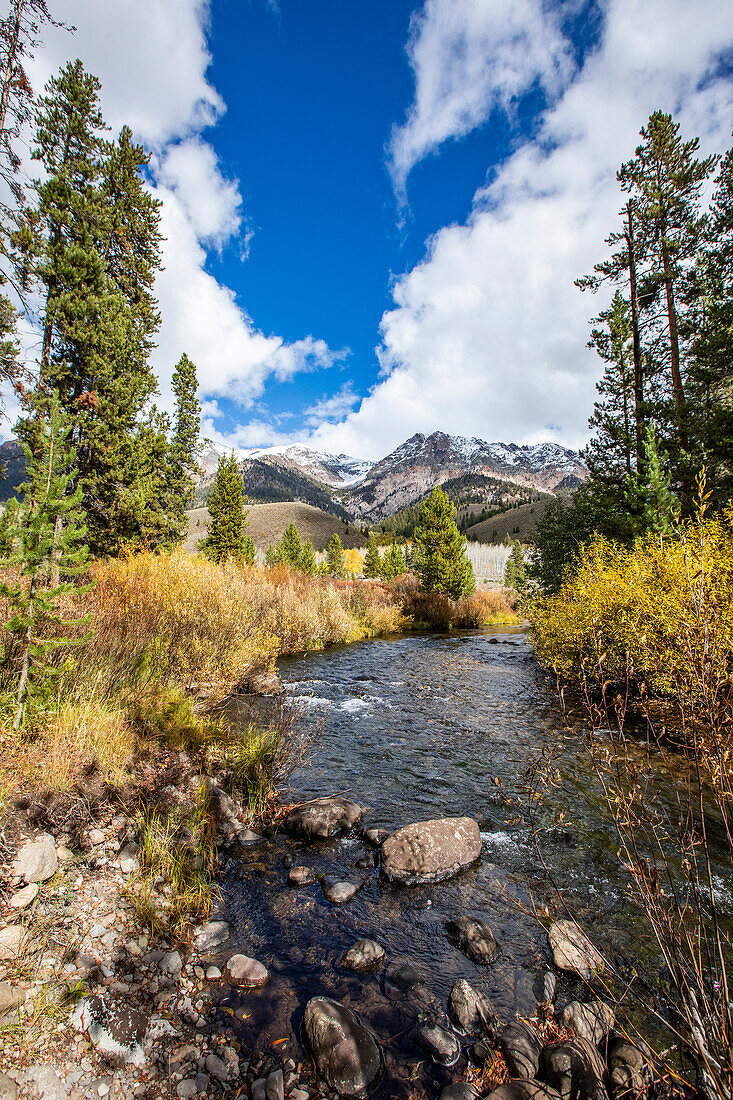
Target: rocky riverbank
[{"x": 93, "y": 1006}]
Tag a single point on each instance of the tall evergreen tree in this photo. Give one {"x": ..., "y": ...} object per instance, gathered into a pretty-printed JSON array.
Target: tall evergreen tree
[
  {"x": 335, "y": 564},
  {"x": 393, "y": 563},
  {"x": 49, "y": 543},
  {"x": 440, "y": 550},
  {"x": 182, "y": 462},
  {"x": 227, "y": 533},
  {"x": 665, "y": 178},
  {"x": 307, "y": 562},
  {"x": 372, "y": 559},
  {"x": 290, "y": 548}
]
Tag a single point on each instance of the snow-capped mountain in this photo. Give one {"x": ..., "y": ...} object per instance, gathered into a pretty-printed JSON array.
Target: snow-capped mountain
[
  {"x": 414, "y": 468},
  {"x": 375, "y": 490}
]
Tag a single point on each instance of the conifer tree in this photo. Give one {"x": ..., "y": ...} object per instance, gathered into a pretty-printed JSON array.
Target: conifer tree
[
  {"x": 182, "y": 462},
  {"x": 515, "y": 571},
  {"x": 307, "y": 562},
  {"x": 290, "y": 548},
  {"x": 335, "y": 564},
  {"x": 372, "y": 559},
  {"x": 661, "y": 506},
  {"x": 270, "y": 556},
  {"x": 226, "y": 537},
  {"x": 393, "y": 563},
  {"x": 440, "y": 550},
  {"x": 48, "y": 544}
]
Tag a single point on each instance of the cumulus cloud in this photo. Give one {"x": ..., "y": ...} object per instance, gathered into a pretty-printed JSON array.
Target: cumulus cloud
[
  {"x": 468, "y": 58},
  {"x": 152, "y": 58},
  {"x": 335, "y": 407},
  {"x": 488, "y": 334}
]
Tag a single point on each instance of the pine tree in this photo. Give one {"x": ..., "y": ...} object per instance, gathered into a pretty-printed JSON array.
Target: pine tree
[
  {"x": 661, "y": 506},
  {"x": 372, "y": 559},
  {"x": 440, "y": 550},
  {"x": 307, "y": 563},
  {"x": 182, "y": 462},
  {"x": 48, "y": 544},
  {"x": 393, "y": 563},
  {"x": 290, "y": 548},
  {"x": 270, "y": 556},
  {"x": 515, "y": 571},
  {"x": 335, "y": 565},
  {"x": 666, "y": 178},
  {"x": 226, "y": 537}
]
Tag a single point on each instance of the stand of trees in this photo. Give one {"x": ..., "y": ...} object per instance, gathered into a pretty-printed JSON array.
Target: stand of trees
[{"x": 665, "y": 405}]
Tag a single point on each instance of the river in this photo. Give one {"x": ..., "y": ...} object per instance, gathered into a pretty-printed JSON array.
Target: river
[{"x": 417, "y": 727}]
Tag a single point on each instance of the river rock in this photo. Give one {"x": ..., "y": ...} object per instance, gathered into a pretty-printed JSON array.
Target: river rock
[
  {"x": 263, "y": 682},
  {"x": 37, "y": 860},
  {"x": 211, "y": 935},
  {"x": 524, "y": 1090},
  {"x": 11, "y": 998},
  {"x": 430, "y": 851},
  {"x": 11, "y": 942},
  {"x": 345, "y": 1051},
  {"x": 21, "y": 899},
  {"x": 376, "y": 837},
  {"x": 545, "y": 987},
  {"x": 460, "y": 1091},
  {"x": 364, "y": 957},
  {"x": 630, "y": 1071},
  {"x": 301, "y": 876},
  {"x": 275, "y": 1086},
  {"x": 474, "y": 938},
  {"x": 592, "y": 1021},
  {"x": 171, "y": 964},
  {"x": 338, "y": 893},
  {"x": 572, "y": 950},
  {"x": 406, "y": 977},
  {"x": 521, "y": 1046},
  {"x": 323, "y": 817},
  {"x": 471, "y": 1011},
  {"x": 248, "y": 973},
  {"x": 438, "y": 1043},
  {"x": 8, "y": 1088},
  {"x": 115, "y": 1030},
  {"x": 42, "y": 1082},
  {"x": 575, "y": 1068}
]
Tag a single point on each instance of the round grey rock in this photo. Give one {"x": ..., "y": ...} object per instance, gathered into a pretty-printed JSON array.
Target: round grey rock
[
  {"x": 323, "y": 817},
  {"x": 572, "y": 950},
  {"x": 248, "y": 973},
  {"x": 345, "y": 1051},
  {"x": 301, "y": 876},
  {"x": 474, "y": 938},
  {"x": 592, "y": 1021},
  {"x": 471, "y": 1011},
  {"x": 37, "y": 860},
  {"x": 364, "y": 957},
  {"x": 338, "y": 893},
  {"x": 438, "y": 1043}
]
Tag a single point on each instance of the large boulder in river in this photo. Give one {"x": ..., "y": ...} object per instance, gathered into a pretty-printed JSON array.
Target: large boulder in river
[
  {"x": 263, "y": 681},
  {"x": 576, "y": 1069},
  {"x": 323, "y": 817},
  {"x": 630, "y": 1069},
  {"x": 429, "y": 851},
  {"x": 572, "y": 950},
  {"x": 345, "y": 1051},
  {"x": 521, "y": 1046},
  {"x": 592, "y": 1021},
  {"x": 470, "y": 1011}
]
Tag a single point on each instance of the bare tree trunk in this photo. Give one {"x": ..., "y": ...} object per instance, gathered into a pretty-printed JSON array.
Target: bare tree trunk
[
  {"x": 23, "y": 683},
  {"x": 9, "y": 70},
  {"x": 674, "y": 348},
  {"x": 638, "y": 374}
]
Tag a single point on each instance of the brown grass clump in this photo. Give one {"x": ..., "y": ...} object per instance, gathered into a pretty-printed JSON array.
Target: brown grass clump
[{"x": 486, "y": 607}]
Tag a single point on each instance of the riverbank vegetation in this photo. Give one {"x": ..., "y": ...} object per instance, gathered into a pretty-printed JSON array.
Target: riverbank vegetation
[{"x": 635, "y": 607}]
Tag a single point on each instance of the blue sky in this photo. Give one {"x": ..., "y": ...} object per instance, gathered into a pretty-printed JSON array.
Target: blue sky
[{"x": 375, "y": 209}]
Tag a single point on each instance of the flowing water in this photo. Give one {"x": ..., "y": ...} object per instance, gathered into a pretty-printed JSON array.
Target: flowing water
[{"x": 413, "y": 728}]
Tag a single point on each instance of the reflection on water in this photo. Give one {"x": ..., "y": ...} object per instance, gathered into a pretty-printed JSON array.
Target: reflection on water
[{"x": 413, "y": 728}]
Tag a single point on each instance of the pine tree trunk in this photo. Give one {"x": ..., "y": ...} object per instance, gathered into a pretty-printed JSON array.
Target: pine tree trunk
[
  {"x": 23, "y": 683},
  {"x": 638, "y": 374},
  {"x": 10, "y": 63},
  {"x": 674, "y": 348}
]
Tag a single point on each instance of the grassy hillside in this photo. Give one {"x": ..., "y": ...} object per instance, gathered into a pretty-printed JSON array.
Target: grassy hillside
[
  {"x": 518, "y": 523},
  {"x": 267, "y": 523}
]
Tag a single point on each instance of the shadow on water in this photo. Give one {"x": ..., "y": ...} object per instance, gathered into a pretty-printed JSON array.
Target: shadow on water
[{"x": 413, "y": 728}]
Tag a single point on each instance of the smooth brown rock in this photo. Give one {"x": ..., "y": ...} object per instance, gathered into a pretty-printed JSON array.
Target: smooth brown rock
[
  {"x": 572, "y": 950},
  {"x": 345, "y": 1051},
  {"x": 248, "y": 973},
  {"x": 430, "y": 851},
  {"x": 322, "y": 818},
  {"x": 474, "y": 938},
  {"x": 592, "y": 1021}
]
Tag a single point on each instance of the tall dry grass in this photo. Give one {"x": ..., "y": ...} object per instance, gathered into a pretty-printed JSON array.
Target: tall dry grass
[{"x": 485, "y": 607}]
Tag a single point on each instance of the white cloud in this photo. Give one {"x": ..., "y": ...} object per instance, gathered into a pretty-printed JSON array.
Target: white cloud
[
  {"x": 152, "y": 58},
  {"x": 469, "y": 57},
  {"x": 488, "y": 334},
  {"x": 328, "y": 409},
  {"x": 211, "y": 203}
]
